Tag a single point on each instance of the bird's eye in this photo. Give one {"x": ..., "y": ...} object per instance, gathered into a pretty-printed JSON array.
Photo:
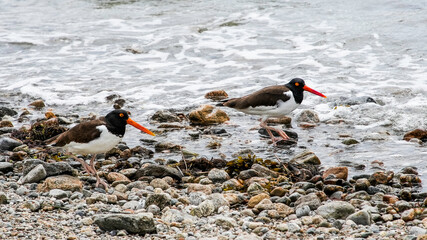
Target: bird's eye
[
  {"x": 296, "y": 84},
  {"x": 121, "y": 115}
]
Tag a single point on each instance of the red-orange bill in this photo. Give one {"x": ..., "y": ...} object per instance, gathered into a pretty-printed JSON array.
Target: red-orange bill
[
  {"x": 137, "y": 125},
  {"x": 313, "y": 91}
]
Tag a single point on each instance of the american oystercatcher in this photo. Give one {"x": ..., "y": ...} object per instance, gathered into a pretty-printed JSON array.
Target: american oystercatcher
[
  {"x": 273, "y": 101},
  {"x": 94, "y": 137}
]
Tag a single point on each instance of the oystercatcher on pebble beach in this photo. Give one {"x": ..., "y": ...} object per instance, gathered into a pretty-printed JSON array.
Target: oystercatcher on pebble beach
[
  {"x": 273, "y": 101},
  {"x": 94, "y": 137}
]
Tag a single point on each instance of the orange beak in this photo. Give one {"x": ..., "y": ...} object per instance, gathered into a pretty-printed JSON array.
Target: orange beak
[
  {"x": 313, "y": 91},
  {"x": 135, "y": 124}
]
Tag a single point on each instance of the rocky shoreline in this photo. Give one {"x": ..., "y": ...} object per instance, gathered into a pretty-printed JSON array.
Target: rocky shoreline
[{"x": 45, "y": 195}]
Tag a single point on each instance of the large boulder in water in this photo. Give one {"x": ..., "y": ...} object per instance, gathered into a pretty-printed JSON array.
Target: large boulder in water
[{"x": 207, "y": 115}]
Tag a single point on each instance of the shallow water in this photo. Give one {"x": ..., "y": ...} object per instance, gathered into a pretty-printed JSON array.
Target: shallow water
[{"x": 168, "y": 54}]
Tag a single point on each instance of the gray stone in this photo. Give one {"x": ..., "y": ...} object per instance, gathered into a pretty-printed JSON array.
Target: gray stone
[
  {"x": 218, "y": 201},
  {"x": 6, "y": 167},
  {"x": 159, "y": 183},
  {"x": 196, "y": 198},
  {"x": 263, "y": 171},
  {"x": 140, "y": 223},
  {"x": 165, "y": 116},
  {"x": 303, "y": 210},
  {"x": 306, "y": 157},
  {"x": 3, "y": 198},
  {"x": 307, "y": 115},
  {"x": 158, "y": 171},
  {"x": 361, "y": 217},
  {"x": 160, "y": 199},
  {"x": 311, "y": 200},
  {"x": 8, "y": 144},
  {"x": 255, "y": 189},
  {"x": 205, "y": 209},
  {"x": 363, "y": 195},
  {"x": 52, "y": 169},
  {"x": 250, "y": 173},
  {"x": 33, "y": 205},
  {"x": 22, "y": 190},
  {"x": 417, "y": 231},
  {"x": 336, "y": 210},
  {"x": 34, "y": 176},
  {"x": 173, "y": 215},
  {"x": 133, "y": 205},
  {"x": 58, "y": 193},
  {"x": 293, "y": 227},
  {"x": 218, "y": 175},
  {"x": 226, "y": 222},
  {"x": 402, "y": 205},
  {"x": 153, "y": 209}
]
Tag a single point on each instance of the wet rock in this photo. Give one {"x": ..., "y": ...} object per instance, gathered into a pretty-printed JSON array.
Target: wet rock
[
  {"x": 5, "y": 124},
  {"x": 291, "y": 134},
  {"x": 8, "y": 144},
  {"x": 141, "y": 151},
  {"x": 159, "y": 199},
  {"x": 64, "y": 182},
  {"x": 45, "y": 129},
  {"x": 308, "y": 116},
  {"x": 409, "y": 179},
  {"x": 158, "y": 171},
  {"x": 409, "y": 170},
  {"x": 195, "y": 187},
  {"x": 311, "y": 200},
  {"x": 408, "y": 215},
  {"x": 264, "y": 204},
  {"x": 207, "y": 115},
  {"x": 336, "y": 210},
  {"x": 216, "y": 95},
  {"x": 49, "y": 115},
  {"x": 162, "y": 146},
  {"x": 4, "y": 111},
  {"x": 417, "y": 133},
  {"x": 405, "y": 195},
  {"x": 58, "y": 193},
  {"x": 159, "y": 183},
  {"x": 350, "y": 141},
  {"x": 330, "y": 189},
  {"x": 263, "y": 171},
  {"x": 253, "y": 201},
  {"x": 141, "y": 223},
  {"x": 37, "y": 174},
  {"x": 306, "y": 157},
  {"x": 38, "y": 104},
  {"x": 52, "y": 169},
  {"x": 6, "y": 167},
  {"x": 303, "y": 210},
  {"x": 281, "y": 120},
  {"x": 165, "y": 116},
  {"x": 362, "y": 184},
  {"x": 278, "y": 191},
  {"x": 115, "y": 176},
  {"x": 381, "y": 177},
  {"x": 3, "y": 198},
  {"x": 339, "y": 172},
  {"x": 255, "y": 189},
  {"x": 402, "y": 206},
  {"x": 218, "y": 175},
  {"x": 390, "y": 199},
  {"x": 362, "y": 217}
]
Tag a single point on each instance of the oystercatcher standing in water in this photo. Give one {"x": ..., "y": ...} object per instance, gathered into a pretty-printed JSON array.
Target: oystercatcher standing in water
[
  {"x": 273, "y": 101},
  {"x": 94, "y": 137}
]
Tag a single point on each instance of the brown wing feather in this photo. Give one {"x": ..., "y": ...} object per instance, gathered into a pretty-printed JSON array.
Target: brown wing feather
[
  {"x": 81, "y": 133},
  {"x": 265, "y": 97}
]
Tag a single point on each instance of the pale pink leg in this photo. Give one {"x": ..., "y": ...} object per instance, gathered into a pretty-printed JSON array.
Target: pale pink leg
[
  {"x": 86, "y": 166},
  {"x": 282, "y": 134},
  {"x": 98, "y": 179}
]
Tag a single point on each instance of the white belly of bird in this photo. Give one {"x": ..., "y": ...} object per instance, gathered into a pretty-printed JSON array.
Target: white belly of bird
[
  {"x": 279, "y": 110},
  {"x": 105, "y": 142}
]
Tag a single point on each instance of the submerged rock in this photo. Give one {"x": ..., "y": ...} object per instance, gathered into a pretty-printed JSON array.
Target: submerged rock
[
  {"x": 308, "y": 116},
  {"x": 141, "y": 223},
  {"x": 207, "y": 115},
  {"x": 38, "y": 104},
  {"x": 6, "y": 123}
]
